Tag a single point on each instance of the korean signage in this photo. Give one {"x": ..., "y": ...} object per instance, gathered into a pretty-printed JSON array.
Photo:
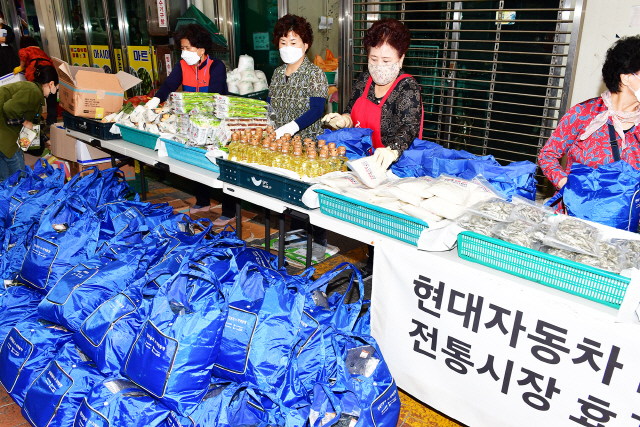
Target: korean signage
[
  {"x": 260, "y": 41},
  {"x": 162, "y": 13},
  {"x": 79, "y": 55},
  {"x": 489, "y": 350}
]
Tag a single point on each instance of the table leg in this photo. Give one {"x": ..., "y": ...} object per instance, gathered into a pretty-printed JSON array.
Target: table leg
[
  {"x": 309, "y": 244},
  {"x": 281, "y": 240},
  {"x": 143, "y": 193},
  {"x": 113, "y": 160},
  {"x": 239, "y": 218},
  {"x": 267, "y": 227}
]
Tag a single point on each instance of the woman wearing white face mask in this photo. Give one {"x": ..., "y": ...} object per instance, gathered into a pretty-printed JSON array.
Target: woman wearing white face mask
[
  {"x": 196, "y": 72},
  {"x": 603, "y": 129},
  {"x": 384, "y": 98},
  {"x": 8, "y": 58},
  {"x": 298, "y": 89}
]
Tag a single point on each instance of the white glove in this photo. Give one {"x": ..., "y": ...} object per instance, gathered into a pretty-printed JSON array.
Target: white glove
[
  {"x": 153, "y": 103},
  {"x": 290, "y": 128},
  {"x": 337, "y": 121},
  {"x": 383, "y": 157}
]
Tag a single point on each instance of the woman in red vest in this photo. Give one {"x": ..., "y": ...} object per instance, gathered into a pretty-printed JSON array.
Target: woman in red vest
[
  {"x": 384, "y": 98},
  {"x": 198, "y": 72}
]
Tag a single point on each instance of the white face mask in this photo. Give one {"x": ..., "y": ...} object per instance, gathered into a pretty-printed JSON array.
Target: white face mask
[
  {"x": 191, "y": 58},
  {"x": 290, "y": 54}
]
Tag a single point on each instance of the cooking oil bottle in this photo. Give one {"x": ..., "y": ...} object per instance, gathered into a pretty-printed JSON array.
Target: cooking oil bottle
[
  {"x": 323, "y": 162},
  {"x": 242, "y": 150},
  {"x": 297, "y": 161},
  {"x": 281, "y": 157},
  {"x": 264, "y": 151},
  {"x": 253, "y": 153},
  {"x": 321, "y": 143},
  {"x": 287, "y": 158},
  {"x": 271, "y": 154},
  {"x": 311, "y": 167},
  {"x": 334, "y": 163},
  {"x": 233, "y": 146},
  {"x": 342, "y": 158}
]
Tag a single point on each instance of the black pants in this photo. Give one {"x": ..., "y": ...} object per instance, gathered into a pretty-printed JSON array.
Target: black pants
[{"x": 52, "y": 108}]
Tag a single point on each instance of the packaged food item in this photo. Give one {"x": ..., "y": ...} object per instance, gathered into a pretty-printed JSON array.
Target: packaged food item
[
  {"x": 451, "y": 189},
  {"x": 481, "y": 190},
  {"x": 400, "y": 194},
  {"x": 539, "y": 232},
  {"x": 574, "y": 235},
  {"x": 631, "y": 251},
  {"x": 359, "y": 193},
  {"x": 442, "y": 207},
  {"x": 558, "y": 252},
  {"x": 349, "y": 180},
  {"x": 369, "y": 173},
  {"x": 29, "y": 137},
  {"x": 529, "y": 210},
  {"x": 518, "y": 232},
  {"x": 495, "y": 208},
  {"x": 420, "y": 213},
  {"x": 417, "y": 186},
  {"x": 612, "y": 257},
  {"x": 477, "y": 224}
]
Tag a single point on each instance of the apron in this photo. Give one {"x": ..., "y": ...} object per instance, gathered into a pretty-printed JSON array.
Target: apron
[
  {"x": 368, "y": 114},
  {"x": 192, "y": 80}
]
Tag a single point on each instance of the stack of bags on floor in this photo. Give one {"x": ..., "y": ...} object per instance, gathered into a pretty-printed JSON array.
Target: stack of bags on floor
[{"x": 119, "y": 313}]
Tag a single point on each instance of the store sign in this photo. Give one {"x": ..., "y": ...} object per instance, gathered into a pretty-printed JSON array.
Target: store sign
[
  {"x": 274, "y": 57},
  {"x": 506, "y": 17},
  {"x": 79, "y": 55},
  {"x": 260, "y": 41},
  {"x": 167, "y": 62},
  {"x": 162, "y": 13},
  {"x": 490, "y": 350},
  {"x": 101, "y": 57}
]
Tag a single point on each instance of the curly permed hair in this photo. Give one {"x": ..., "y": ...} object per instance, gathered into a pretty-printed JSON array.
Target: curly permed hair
[
  {"x": 622, "y": 58},
  {"x": 391, "y": 31},
  {"x": 197, "y": 35},
  {"x": 294, "y": 23}
]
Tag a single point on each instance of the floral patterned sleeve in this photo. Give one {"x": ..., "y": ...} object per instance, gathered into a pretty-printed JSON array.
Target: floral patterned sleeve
[
  {"x": 402, "y": 119},
  {"x": 561, "y": 139}
]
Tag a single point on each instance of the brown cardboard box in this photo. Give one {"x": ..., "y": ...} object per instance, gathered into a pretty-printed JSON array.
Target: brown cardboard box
[
  {"x": 90, "y": 92},
  {"x": 66, "y": 147},
  {"x": 76, "y": 168}
]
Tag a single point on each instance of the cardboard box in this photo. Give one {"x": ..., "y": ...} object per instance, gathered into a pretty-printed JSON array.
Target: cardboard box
[
  {"x": 90, "y": 92},
  {"x": 68, "y": 148},
  {"x": 77, "y": 168}
]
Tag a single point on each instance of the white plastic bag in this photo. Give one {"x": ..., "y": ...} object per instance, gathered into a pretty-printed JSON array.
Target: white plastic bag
[
  {"x": 232, "y": 87},
  {"x": 248, "y": 76},
  {"x": 262, "y": 76},
  {"x": 245, "y": 62},
  {"x": 369, "y": 173},
  {"x": 416, "y": 186},
  {"x": 260, "y": 85},
  {"x": 348, "y": 180},
  {"x": 451, "y": 189},
  {"x": 442, "y": 207},
  {"x": 405, "y": 196},
  {"x": 420, "y": 213},
  {"x": 245, "y": 88}
]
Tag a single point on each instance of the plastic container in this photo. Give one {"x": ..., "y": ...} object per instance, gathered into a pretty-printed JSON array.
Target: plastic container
[
  {"x": 393, "y": 224},
  {"x": 549, "y": 270},
  {"x": 139, "y": 137},
  {"x": 331, "y": 77},
  {"x": 87, "y": 126},
  {"x": 271, "y": 184},
  {"x": 192, "y": 155}
]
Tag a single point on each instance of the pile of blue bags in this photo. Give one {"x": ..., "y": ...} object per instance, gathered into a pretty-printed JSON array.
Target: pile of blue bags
[
  {"x": 117, "y": 312},
  {"x": 426, "y": 158}
]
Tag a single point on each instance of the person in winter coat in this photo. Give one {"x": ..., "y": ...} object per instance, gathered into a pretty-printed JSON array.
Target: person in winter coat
[
  {"x": 32, "y": 56},
  {"x": 21, "y": 105}
]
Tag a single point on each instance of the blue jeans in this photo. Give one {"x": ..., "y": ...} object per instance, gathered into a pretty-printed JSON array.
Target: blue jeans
[{"x": 9, "y": 166}]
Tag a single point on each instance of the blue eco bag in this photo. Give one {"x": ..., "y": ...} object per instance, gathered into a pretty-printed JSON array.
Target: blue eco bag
[
  {"x": 261, "y": 329},
  {"x": 87, "y": 285},
  {"x": 174, "y": 353},
  {"x": 26, "y": 351},
  {"x": 17, "y": 303},
  {"x": 324, "y": 315},
  {"x": 609, "y": 195},
  {"x": 376, "y": 396},
  {"x": 67, "y": 236},
  {"x": 356, "y": 141},
  {"x": 107, "y": 334},
  {"x": 55, "y": 396},
  {"x": 117, "y": 402}
]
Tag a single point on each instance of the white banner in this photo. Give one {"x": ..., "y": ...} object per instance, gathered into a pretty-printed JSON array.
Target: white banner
[{"x": 489, "y": 349}]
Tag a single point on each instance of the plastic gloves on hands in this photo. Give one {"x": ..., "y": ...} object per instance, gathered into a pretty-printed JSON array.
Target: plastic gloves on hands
[
  {"x": 153, "y": 103},
  {"x": 17, "y": 70},
  {"x": 290, "y": 128},
  {"x": 383, "y": 157},
  {"x": 337, "y": 121}
]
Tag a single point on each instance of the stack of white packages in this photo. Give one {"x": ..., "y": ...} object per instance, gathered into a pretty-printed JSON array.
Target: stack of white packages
[{"x": 245, "y": 79}]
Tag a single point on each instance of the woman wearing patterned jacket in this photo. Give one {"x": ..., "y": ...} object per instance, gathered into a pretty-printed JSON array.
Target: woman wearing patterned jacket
[{"x": 604, "y": 129}]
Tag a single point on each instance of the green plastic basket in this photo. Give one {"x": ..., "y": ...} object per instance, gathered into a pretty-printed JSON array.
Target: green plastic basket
[
  {"x": 549, "y": 270},
  {"x": 138, "y": 137},
  {"x": 193, "y": 15},
  {"x": 393, "y": 224}
]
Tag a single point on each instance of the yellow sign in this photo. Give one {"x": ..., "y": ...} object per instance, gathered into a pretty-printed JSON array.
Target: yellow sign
[
  {"x": 79, "y": 55},
  {"x": 140, "y": 66}
]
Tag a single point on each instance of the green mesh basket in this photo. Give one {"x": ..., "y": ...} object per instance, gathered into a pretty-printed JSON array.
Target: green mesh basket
[
  {"x": 393, "y": 224},
  {"x": 193, "y": 15},
  {"x": 549, "y": 270}
]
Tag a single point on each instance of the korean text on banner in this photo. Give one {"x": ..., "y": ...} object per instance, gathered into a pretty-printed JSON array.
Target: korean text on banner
[{"x": 489, "y": 349}]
